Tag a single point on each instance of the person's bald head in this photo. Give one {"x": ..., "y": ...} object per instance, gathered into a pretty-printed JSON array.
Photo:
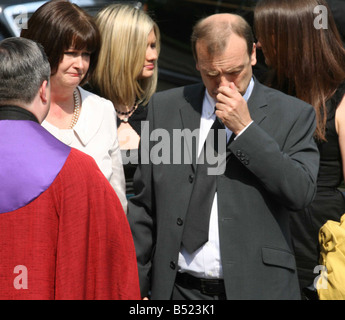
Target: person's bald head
[{"x": 215, "y": 31}]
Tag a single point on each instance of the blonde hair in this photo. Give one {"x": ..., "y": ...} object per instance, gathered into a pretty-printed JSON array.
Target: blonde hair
[{"x": 124, "y": 31}]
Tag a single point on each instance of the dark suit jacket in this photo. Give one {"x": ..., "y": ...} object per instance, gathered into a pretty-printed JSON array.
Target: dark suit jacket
[{"x": 271, "y": 169}]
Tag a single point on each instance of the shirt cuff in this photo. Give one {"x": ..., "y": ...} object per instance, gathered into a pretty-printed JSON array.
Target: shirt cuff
[{"x": 244, "y": 129}]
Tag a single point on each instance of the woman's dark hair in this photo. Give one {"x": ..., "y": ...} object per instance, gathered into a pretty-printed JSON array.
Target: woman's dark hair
[
  {"x": 60, "y": 25},
  {"x": 306, "y": 61}
]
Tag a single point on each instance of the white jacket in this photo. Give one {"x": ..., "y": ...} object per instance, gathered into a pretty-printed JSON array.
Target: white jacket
[{"x": 96, "y": 134}]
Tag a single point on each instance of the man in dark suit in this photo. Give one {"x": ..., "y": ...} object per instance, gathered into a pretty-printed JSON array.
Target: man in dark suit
[{"x": 271, "y": 169}]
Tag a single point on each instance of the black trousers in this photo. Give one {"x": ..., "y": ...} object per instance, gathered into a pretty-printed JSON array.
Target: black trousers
[{"x": 183, "y": 293}]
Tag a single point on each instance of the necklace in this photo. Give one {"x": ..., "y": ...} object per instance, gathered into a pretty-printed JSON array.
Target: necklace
[
  {"x": 125, "y": 119},
  {"x": 76, "y": 110}
]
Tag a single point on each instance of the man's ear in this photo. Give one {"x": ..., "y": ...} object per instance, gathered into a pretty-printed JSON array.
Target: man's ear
[{"x": 44, "y": 91}]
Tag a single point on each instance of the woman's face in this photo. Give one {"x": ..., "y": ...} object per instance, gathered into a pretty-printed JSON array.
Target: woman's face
[
  {"x": 72, "y": 69},
  {"x": 150, "y": 57}
]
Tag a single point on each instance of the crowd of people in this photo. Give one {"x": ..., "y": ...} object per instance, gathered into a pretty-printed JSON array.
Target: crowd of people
[{"x": 92, "y": 209}]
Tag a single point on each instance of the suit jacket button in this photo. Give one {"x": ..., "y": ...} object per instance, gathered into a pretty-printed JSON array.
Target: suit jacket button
[
  {"x": 179, "y": 222},
  {"x": 191, "y": 178},
  {"x": 246, "y": 162},
  {"x": 172, "y": 265},
  {"x": 239, "y": 153}
]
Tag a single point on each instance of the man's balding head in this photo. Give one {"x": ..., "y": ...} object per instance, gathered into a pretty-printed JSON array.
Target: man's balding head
[{"x": 215, "y": 31}]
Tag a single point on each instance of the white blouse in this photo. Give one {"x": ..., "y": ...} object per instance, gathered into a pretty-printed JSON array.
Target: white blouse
[{"x": 96, "y": 134}]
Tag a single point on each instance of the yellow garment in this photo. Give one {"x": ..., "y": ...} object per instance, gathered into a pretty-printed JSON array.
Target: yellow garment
[{"x": 331, "y": 284}]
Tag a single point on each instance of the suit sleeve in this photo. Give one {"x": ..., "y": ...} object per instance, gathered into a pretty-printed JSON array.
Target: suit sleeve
[
  {"x": 141, "y": 211},
  {"x": 95, "y": 252},
  {"x": 288, "y": 171}
]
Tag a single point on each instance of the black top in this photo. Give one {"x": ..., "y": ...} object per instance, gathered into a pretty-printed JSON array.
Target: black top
[
  {"x": 130, "y": 157},
  {"x": 328, "y": 204},
  {"x": 331, "y": 169},
  {"x": 136, "y": 118}
]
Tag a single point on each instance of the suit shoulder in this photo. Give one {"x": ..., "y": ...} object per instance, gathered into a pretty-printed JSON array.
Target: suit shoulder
[
  {"x": 286, "y": 101},
  {"x": 169, "y": 101},
  {"x": 166, "y": 95},
  {"x": 178, "y": 92}
]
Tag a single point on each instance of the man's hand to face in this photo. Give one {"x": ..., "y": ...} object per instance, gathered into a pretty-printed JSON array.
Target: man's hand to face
[{"x": 232, "y": 109}]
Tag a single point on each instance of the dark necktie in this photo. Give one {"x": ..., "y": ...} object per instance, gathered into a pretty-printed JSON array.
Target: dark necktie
[{"x": 196, "y": 228}]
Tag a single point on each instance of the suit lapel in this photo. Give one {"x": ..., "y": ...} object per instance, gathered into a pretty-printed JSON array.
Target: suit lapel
[
  {"x": 257, "y": 103},
  {"x": 190, "y": 111}
]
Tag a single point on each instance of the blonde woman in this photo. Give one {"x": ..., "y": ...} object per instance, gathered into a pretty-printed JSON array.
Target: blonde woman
[{"x": 127, "y": 73}]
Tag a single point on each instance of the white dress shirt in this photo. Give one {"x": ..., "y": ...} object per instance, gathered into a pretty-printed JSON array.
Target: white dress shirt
[
  {"x": 95, "y": 133},
  {"x": 206, "y": 261}
]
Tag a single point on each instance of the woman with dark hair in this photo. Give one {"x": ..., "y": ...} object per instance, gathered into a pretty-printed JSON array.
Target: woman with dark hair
[
  {"x": 77, "y": 117},
  {"x": 308, "y": 61}
]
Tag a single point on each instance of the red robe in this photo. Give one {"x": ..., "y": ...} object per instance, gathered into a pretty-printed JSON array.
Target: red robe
[{"x": 72, "y": 242}]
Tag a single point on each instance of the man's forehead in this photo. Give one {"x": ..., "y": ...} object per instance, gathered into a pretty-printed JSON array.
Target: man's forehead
[
  {"x": 234, "y": 46},
  {"x": 229, "y": 59}
]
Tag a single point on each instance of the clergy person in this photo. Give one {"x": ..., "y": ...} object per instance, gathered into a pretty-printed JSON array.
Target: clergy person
[{"x": 63, "y": 232}]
